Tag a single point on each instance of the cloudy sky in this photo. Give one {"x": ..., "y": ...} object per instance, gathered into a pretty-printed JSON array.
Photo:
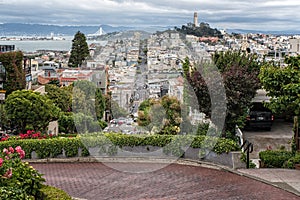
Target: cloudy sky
[{"x": 251, "y": 14}]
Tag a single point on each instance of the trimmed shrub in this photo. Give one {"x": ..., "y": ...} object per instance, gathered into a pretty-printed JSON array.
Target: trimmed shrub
[
  {"x": 108, "y": 142},
  {"x": 292, "y": 161},
  {"x": 52, "y": 193},
  {"x": 274, "y": 158}
]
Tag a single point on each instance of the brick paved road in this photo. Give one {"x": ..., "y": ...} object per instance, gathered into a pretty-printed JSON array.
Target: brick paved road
[{"x": 96, "y": 181}]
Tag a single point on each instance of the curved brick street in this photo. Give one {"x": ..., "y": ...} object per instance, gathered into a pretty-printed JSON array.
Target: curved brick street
[{"x": 96, "y": 181}]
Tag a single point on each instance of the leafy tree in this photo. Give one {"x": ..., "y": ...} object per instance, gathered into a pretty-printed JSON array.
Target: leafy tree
[
  {"x": 116, "y": 110},
  {"x": 283, "y": 86},
  {"x": 60, "y": 97},
  {"x": 91, "y": 99},
  {"x": 163, "y": 115},
  {"x": 54, "y": 82},
  {"x": 15, "y": 76},
  {"x": 79, "y": 51},
  {"x": 66, "y": 123},
  {"x": 26, "y": 108},
  {"x": 88, "y": 106},
  {"x": 99, "y": 104},
  {"x": 240, "y": 77}
]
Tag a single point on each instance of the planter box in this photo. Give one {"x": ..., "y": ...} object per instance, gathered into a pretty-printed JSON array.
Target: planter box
[{"x": 297, "y": 166}]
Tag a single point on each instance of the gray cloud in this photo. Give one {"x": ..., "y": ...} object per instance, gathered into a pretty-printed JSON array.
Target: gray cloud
[{"x": 253, "y": 14}]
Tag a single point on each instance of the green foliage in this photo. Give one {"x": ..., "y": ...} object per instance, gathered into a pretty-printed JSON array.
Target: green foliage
[
  {"x": 202, "y": 129},
  {"x": 244, "y": 159},
  {"x": 88, "y": 107},
  {"x": 186, "y": 66},
  {"x": 18, "y": 177},
  {"x": 54, "y": 82},
  {"x": 52, "y": 193},
  {"x": 107, "y": 143},
  {"x": 27, "y": 108},
  {"x": 15, "y": 76},
  {"x": 283, "y": 86},
  {"x": 49, "y": 148},
  {"x": 66, "y": 123},
  {"x": 239, "y": 72},
  {"x": 163, "y": 115},
  {"x": 203, "y": 30},
  {"x": 79, "y": 51},
  {"x": 292, "y": 161},
  {"x": 62, "y": 98},
  {"x": 88, "y": 99},
  {"x": 274, "y": 158},
  {"x": 14, "y": 193},
  {"x": 114, "y": 108}
]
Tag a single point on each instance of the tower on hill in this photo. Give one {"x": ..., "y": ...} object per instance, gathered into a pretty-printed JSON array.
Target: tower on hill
[{"x": 196, "y": 19}]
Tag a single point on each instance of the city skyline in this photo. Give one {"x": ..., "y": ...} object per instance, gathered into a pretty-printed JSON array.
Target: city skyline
[{"x": 256, "y": 15}]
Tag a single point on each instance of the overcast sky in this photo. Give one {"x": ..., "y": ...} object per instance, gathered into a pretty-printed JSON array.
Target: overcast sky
[{"x": 251, "y": 14}]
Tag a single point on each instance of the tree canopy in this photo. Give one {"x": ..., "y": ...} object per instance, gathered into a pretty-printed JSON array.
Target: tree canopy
[
  {"x": 79, "y": 51},
  {"x": 15, "y": 76},
  {"x": 26, "y": 109},
  {"x": 88, "y": 105},
  {"x": 203, "y": 30},
  {"x": 240, "y": 78},
  {"x": 61, "y": 97},
  {"x": 163, "y": 115},
  {"x": 283, "y": 86}
]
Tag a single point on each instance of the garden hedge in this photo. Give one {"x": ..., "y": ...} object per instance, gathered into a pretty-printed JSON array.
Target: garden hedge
[
  {"x": 52, "y": 193},
  {"x": 53, "y": 147},
  {"x": 275, "y": 158}
]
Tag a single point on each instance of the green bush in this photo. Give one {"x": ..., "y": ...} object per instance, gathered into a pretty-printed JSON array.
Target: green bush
[
  {"x": 18, "y": 179},
  {"x": 14, "y": 193},
  {"x": 52, "y": 193},
  {"x": 108, "y": 142},
  {"x": 274, "y": 158},
  {"x": 292, "y": 161}
]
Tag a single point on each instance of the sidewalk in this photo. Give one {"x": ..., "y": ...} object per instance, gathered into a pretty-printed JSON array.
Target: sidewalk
[{"x": 286, "y": 179}]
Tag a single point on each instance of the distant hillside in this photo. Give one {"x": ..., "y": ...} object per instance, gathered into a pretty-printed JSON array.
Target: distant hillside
[
  {"x": 202, "y": 30},
  {"x": 19, "y": 29},
  {"x": 245, "y": 31}
]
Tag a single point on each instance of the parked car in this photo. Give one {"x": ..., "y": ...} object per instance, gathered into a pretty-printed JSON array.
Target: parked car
[{"x": 259, "y": 117}]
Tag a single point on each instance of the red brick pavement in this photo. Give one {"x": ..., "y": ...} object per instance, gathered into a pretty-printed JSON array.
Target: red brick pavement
[{"x": 96, "y": 181}]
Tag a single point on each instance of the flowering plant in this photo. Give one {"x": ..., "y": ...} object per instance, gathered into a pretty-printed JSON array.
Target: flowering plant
[
  {"x": 30, "y": 134},
  {"x": 16, "y": 175}
]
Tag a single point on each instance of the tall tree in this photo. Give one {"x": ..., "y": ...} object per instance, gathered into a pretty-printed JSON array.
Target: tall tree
[
  {"x": 28, "y": 109},
  {"x": 79, "y": 51},
  {"x": 283, "y": 86},
  {"x": 15, "y": 76},
  {"x": 240, "y": 78}
]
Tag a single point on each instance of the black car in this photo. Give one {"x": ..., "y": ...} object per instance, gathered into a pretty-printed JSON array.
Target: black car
[{"x": 259, "y": 117}]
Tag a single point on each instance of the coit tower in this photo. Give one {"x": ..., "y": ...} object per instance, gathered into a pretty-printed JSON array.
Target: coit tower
[{"x": 196, "y": 19}]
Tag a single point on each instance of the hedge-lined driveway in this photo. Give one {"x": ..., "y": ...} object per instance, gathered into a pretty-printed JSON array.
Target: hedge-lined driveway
[{"x": 97, "y": 181}]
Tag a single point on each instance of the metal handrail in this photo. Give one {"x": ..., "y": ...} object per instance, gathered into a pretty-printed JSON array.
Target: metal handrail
[{"x": 248, "y": 147}]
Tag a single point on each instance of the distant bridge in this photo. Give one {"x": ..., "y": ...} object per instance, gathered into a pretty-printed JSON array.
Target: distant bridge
[{"x": 98, "y": 33}]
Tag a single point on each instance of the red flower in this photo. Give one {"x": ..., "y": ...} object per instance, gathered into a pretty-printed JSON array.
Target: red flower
[
  {"x": 11, "y": 149},
  {"x": 22, "y": 154},
  {"x": 8, "y": 174},
  {"x": 18, "y": 149},
  {"x": 5, "y": 151},
  {"x": 1, "y": 162}
]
